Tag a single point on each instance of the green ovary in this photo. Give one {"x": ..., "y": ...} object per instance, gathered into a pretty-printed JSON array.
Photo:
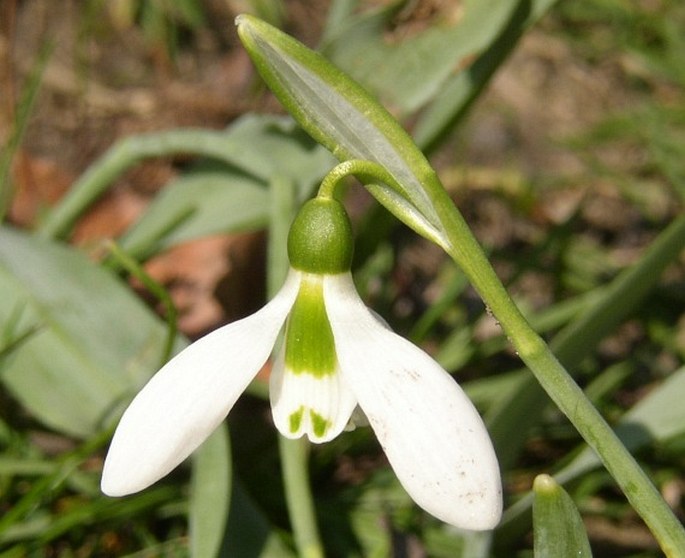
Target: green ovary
[{"x": 309, "y": 344}]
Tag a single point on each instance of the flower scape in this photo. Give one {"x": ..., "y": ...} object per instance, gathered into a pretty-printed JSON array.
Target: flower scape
[{"x": 336, "y": 356}]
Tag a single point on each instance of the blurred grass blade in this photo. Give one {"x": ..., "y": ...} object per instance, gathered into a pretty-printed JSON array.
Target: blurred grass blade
[
  {"x": 509, "y": 423},
  {"x": 259, "y": 147},
  {"x": 340, "y": 115},
  {"x": 190, "y": 12},
  {"x": 198, "y": 203},
  {"x": 157, "y": 290},
  {"x": 51, "y": 483},
  {"x": 11, "y": 337},
  {"x": 558, "y": 529},
  {"x": 214, "y": 197},
  {"x": 406, "y": 60},
  {"x": 38, "y": 532},
  {"x": 210, "y": 495},
  {"x": 458, "y": 92},
  {"x": 21, "y": 118}
]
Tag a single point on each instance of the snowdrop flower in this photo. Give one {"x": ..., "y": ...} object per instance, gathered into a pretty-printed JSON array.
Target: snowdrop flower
[{"x": 336, "y": 354}]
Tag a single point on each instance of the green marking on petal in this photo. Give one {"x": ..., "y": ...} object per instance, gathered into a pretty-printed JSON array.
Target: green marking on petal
[
  {"x": 319, "y": 423},
  {"x": 295, "y": 420},
  {"x": 309, "y": 344}
]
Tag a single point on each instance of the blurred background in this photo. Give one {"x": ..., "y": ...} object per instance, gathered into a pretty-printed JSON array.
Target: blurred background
[{"x": 563, "y": 145}]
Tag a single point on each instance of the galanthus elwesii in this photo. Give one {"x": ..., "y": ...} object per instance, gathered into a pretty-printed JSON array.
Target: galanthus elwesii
[{"x": 336, "y": 355}]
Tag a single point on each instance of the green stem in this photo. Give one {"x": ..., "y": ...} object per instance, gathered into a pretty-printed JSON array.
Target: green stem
[
  {"x": 466, "y": 252},
  {"x": 294, "y": 460},
  {"x": 387, "y": 190},
  {"x": 607, "y": 309}
]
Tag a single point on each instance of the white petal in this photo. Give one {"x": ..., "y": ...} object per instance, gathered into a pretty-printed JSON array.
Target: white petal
[
  {"x": 302, "y": 403},
  {"x": 187, "y": 399},
  {"x": 432, "y": 435}
]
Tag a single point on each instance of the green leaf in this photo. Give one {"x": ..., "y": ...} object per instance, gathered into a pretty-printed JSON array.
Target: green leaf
[
  {"x": 408, "y": 69},
  {"x": 217, "y": 197},
  {"x": 458, "y": 91},
  {"x": 199, "y": 203},
  {"x": 261, "y": 147},
  {"x": 210, "y": 495},
  {"x": 95, "y": 343},
  {"x": 249, "y": 531},
  {"x": 269, "y": 146},
  {"x": 557, "y": 526}
]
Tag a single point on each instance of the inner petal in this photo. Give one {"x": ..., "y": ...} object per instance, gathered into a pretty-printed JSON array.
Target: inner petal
[
  {"x": 308, "y": 394},
  {"x": 303, "y": 404}
]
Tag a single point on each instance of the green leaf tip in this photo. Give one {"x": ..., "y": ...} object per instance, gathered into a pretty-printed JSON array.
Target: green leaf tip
[
  {"x": 544, "y": 484},
  {"x": 557, "y": 526}
]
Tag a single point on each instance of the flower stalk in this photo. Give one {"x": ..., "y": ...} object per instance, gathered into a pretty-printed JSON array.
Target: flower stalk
[{"x": 298, "y": 495}]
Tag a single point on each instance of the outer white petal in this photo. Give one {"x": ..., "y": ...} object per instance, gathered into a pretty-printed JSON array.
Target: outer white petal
[
  {"x": 433, "y": 436},
  {"x": 188, "y": 398},
  {"x": 328, "y": 396}
]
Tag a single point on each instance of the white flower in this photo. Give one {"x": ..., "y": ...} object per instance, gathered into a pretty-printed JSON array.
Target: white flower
[{"x": 336, "y": 355}]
